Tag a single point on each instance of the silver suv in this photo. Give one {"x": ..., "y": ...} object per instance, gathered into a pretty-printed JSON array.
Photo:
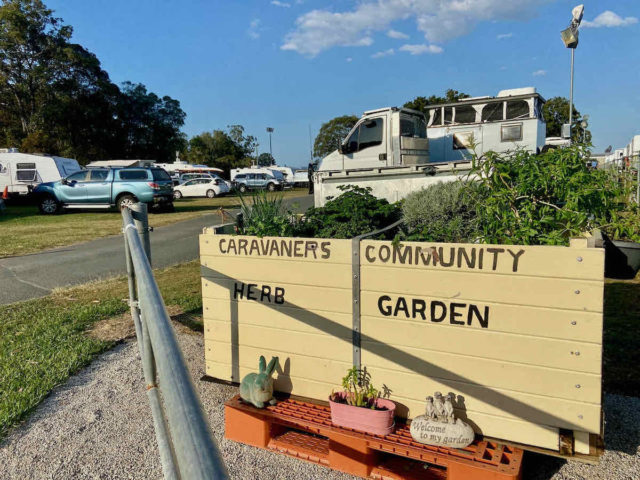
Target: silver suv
[{"x": 256, "y": 181}]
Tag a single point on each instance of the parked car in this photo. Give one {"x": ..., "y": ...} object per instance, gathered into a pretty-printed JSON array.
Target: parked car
[
  {"x": 105, "y": 188},
  {"x": 256, "y": 181},
  {"x": 185, "y": 177},
  {"x": 201, "y": 187}
]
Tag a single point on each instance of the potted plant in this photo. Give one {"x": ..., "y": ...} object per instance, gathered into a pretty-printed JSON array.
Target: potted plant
[{"x": 360, "y": 406}]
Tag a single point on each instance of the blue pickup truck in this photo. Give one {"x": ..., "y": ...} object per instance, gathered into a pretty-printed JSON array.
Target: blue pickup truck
[{"x": 106, "y": 188}]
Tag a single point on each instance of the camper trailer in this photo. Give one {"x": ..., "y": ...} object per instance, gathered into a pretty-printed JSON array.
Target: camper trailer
[{"x": 21, "y": 172}]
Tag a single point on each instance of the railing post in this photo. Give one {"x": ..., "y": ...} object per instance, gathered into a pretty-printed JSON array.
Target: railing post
[{"x": 139, "y": 212}]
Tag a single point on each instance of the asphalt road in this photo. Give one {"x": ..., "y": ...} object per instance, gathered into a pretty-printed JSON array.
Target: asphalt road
[{"x": 35, "y": 275}]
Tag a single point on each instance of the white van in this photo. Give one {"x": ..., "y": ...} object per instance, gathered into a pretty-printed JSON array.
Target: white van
[{"x": 20, "y": 172}]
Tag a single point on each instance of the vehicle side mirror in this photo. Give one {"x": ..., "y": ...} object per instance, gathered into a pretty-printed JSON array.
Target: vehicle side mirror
[{"x": 64, "y": 181}]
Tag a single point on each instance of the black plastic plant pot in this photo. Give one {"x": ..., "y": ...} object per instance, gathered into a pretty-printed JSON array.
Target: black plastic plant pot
[{"x": 622, "y": 259}]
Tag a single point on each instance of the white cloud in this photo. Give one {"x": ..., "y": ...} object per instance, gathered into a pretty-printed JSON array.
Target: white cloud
[
  {"x": 609, "y": 19},
  {"x": 539, "y": 73},
  {"x": 420, "y": 49},
  {"x": 348, "y": 59},
  {"x": 502, "y": 36},
  {"x": 254, "y": 29},
  {"x": 321, "y": 29},
  {"x": 396, "y": 34},
  {"x": 280, "y": 4},
  {"x": 383, "y": 53}
]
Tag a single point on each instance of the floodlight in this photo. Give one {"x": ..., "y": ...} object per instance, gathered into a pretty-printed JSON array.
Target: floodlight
[
  {"x": 570, "y": 37},
  {"x": 577, "y": 13}
]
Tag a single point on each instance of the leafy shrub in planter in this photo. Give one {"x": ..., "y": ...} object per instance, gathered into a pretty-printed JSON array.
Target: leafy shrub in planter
[
  {"x": 444, "y": 212},
  {"x": 353, "y": 213},
  {"x": 265, "y": 215},
  {"x": 527, "y": 199}
]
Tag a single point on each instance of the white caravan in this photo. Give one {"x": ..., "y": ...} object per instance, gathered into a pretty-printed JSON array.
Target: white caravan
[{"x": 20, "y": 172}]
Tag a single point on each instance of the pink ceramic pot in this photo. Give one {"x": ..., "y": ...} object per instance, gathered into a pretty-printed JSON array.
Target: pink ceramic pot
[{"x": 377, "y": 422}]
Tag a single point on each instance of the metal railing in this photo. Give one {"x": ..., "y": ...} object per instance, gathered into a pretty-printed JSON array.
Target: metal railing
[{"x": 186, "y": 445}]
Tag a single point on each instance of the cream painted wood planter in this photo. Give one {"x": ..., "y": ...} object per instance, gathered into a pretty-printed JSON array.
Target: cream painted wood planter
[{"x": 513, "y": 333}]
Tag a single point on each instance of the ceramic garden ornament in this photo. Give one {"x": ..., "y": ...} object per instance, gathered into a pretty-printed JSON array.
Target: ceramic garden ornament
[
  {"x": 439, "y": 426},
  {"x": 257, "y": 388}
]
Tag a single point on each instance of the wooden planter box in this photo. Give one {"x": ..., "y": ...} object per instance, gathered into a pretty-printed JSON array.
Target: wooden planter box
[{"x": 513, "y": 332}]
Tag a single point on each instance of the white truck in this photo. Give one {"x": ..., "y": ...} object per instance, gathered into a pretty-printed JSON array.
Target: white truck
[
  {"x": 21, "y": 172},
  {"x": 397, "y": 150}
]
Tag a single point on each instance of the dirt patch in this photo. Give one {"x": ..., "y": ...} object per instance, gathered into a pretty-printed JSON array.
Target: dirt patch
[{"x": 115, "y": 329}]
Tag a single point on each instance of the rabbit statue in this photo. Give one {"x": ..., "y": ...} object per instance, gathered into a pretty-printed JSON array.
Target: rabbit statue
[{"x": 257, "y": 388}]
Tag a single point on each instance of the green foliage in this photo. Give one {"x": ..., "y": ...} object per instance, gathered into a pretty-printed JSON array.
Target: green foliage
[
  {"x": 555, "y": 113},
  {"x": 56, "y": 98},
  {"x": 353, "y": 213},
  {"x": 525, "y": 198},
  {"x": 331, "y": 134},
  {"x": 225, "y": 150},
  {"x": 265, "y": 216},
  {"x": 266, "y": 160},
  {"x": 421, "y": 103},
  {"x": 444, "y": 212}
]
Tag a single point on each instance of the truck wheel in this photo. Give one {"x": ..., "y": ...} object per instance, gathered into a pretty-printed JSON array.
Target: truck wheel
[
  {"x": 48, "y": 205},
  {"x": 177, "y": 195},
  {"x": 271, "y": 187},
  {"x": 242, "y": 188},
  {"x": 126, "y": 201},
  {"x": 211, "y": 194}
]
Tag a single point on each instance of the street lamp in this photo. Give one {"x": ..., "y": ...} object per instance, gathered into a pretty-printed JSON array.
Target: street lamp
[
  {"x": 570, "y": 39},
  {"x": 270, "y": 131}
]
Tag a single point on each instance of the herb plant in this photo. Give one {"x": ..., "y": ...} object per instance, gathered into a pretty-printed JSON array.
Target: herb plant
[
  {"x": 265, "y": 215},
  {"x": 358, "y": 389}
]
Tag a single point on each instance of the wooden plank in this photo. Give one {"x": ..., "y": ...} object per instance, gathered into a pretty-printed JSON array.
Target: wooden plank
[
  {"x": 582, "y": 387},
  {"x": 539, "y": 261},
  {"x": 581, "y": 442},
  {"x": 537, "y": 321},
  {"x": 254, "y": 313},
  {"x": 453, "y": 286},
  {"x": 309, "y": 250},
  {"x": 431, "y": 339},
  {"x": 538, "y": 435},
  {"x": 295, "y": 296},
  {"x": 272, "y": 272}
]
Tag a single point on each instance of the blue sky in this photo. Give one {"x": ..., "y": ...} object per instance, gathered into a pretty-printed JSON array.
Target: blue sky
[{"x": 293, "y": 63}]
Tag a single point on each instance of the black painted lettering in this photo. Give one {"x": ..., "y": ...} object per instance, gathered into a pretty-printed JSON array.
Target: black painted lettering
[
  {"x": 311, "y": 246},
  {"x": 278, "y": 296},
  {"x": 250, "y": 291},
  {"x": 254, "y": 247},
  {"x": 369, "y": 248},
  {"x": 495, "y": 252},
  {"x": 326, "y": 252},
  {"x": 285, "y": 246},
  {"x": 474, "y": 311},
  {"x": 418, "y": 307},
  {"x": 266, "y": 292},
  {"x": 274, "y": 248},
  {"x": 516, "y": 258},
  {"x": 454, "y": 314},
  {"x": 265, "y": 246},
  {"x": 452, "y": 256},
  {"x": 384, "y": 309},
  {"x": 402, "y": 256},
  {"x": 297, "y": 249},
  {"x": 423, "y": 255},
  {"x": 220, "y": 244},
  {"x": 480, "y": 258},
  {"x": 443, "y": 311},
  {"x": 470, "y": 261},
  {"x": 232, "y": 246},
  {"x": 237, "y": 290},
  {"x": 384, "y": 253},
  {"x": 242, "y": 245},
  {"x": 401, "y": 305}
]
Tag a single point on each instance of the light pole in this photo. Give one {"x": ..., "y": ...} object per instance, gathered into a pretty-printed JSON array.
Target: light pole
[
  {"x": 270, "y": 130},
  {"x": 570, "y": 39}
]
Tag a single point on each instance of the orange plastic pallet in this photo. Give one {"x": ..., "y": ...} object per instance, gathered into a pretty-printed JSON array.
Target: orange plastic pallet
[{"x": 304, "y": 430}]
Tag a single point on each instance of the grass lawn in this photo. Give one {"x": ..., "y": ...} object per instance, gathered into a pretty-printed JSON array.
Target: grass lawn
[
  {"x": 23, "y": 230},
  {"x": 44, "y": 341}
]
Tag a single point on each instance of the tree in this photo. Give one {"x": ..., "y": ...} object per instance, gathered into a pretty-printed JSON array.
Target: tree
[
  {"x": 421, "y": 103},
  {"x": 225, "y": 150},
  {"x": 332, "y": 133},
  {"x": 555, "y": 113},
  {"x": 266, "y": 160},
  {"x": 247, "y": 143}
]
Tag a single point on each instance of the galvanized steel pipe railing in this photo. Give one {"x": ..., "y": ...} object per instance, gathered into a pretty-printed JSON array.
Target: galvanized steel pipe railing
[{"x": 187, "y": 448}]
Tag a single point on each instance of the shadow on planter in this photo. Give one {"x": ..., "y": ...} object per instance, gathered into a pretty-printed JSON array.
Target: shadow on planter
[{"x": 622, "y": 259}]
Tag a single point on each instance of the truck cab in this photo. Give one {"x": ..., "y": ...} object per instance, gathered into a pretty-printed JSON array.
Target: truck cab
[{"x": 387, "y": 137}]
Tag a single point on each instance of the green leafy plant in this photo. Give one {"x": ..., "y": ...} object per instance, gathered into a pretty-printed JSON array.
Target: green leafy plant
[
  {"x": 443, "y": 212},
  {"x": 352, "y": 213},
  {"x": 358, "y": 389},
  {"x": 523, "y": 198},
  {"x": 265, "y": 215}
]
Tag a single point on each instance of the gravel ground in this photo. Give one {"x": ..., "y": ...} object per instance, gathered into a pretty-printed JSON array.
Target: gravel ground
[{"x": 98, "y": 425}]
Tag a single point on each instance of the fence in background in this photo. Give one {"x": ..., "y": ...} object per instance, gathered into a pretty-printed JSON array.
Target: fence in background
[{"x": 187, "y": 448}]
